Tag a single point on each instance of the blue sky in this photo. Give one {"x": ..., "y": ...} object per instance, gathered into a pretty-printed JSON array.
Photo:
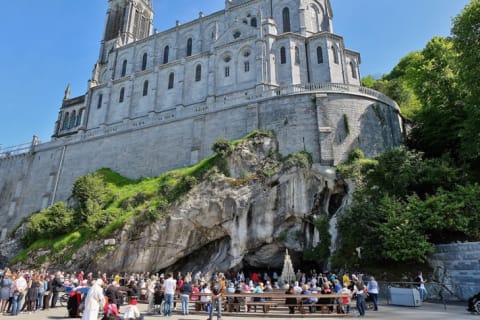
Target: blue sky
[{"x": 50, "y": 43}]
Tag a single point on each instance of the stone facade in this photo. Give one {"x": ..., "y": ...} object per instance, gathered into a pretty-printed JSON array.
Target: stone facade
[
  {"x": 254, "y": 65},
  {"x": 458, "y": 266}
]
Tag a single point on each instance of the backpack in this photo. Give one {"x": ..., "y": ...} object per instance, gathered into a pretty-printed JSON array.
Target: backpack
[
  {"x": 217, "y": 287},
  {"x": 360, "y": 286}
]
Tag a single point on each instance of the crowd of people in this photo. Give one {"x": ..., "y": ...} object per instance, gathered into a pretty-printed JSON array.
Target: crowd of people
[{"x": 90, "y": 295}]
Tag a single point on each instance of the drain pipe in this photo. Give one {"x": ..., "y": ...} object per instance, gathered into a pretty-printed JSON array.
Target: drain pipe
[{"x": 59, "y": 171}]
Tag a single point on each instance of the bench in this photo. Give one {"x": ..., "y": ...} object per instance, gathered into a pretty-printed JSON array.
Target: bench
[
  {"x": 264, "y": 304},
  {"x": 327, "y": 304}
]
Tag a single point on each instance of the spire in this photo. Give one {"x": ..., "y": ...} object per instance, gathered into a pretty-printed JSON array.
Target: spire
[{"x": 67, "y": 92}]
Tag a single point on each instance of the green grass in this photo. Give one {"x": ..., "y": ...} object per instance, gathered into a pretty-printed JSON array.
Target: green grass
[{"x": 134, "y": 201}]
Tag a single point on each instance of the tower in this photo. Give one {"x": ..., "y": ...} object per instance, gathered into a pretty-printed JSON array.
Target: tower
[{"x": 127, "y": 21}]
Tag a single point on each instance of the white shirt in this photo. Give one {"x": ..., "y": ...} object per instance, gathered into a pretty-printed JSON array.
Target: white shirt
[{"x": 170, "y": 285}]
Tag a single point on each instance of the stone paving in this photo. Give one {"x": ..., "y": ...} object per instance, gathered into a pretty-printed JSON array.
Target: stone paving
[{"x": 428, "y": 311}]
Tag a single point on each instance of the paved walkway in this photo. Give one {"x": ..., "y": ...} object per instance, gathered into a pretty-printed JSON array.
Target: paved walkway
[{"x": 428, "y": 311}]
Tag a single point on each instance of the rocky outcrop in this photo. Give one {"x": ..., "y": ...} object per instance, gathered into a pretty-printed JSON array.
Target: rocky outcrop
[{"x": 244, "y": 220}]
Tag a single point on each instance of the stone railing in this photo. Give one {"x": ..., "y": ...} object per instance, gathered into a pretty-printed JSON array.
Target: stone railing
[{"x": 325, "y": 88}]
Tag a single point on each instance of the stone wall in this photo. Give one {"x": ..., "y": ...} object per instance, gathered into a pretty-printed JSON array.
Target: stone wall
[
  {"x": 458, "y": 266},
  {"x": 316, "y": 123}
]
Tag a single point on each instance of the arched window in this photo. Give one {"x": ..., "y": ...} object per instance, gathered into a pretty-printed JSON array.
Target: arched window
[
  {"x": 145, "y": 88},
  {"x": 198, "y": 73},
  {"x": 124, "y": 68},
  {"x": 283, "y": 55},
  {"x": 166, "y": 51},
  {"x": 314, "y": 19},
  {"x": 253, "y": 22},
  {"x": 65, "y": 121},
  {"x": 79, "y": 118},
  {"x": 72, "y": 120},
  {"x": 246, "y": 66},
  {"x": 189, "y": 47},
  {"x": 354, "y": 69},
  {"x": 297, "y": 55},
  {"x": 99, "y": 101},
  {"x": 286, "y": 19},
  {"x": 319, "y": 55},
  {"x": 171, "y": 79},
  {"x": 335, "y": 54},
  {"x": 144, "y": 61},
  {"x": 122, "y": 95}
]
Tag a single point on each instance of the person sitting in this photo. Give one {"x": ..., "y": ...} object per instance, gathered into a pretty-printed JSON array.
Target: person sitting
[
  {"x": 132, "y": 312},
  {"x": 328, "y": 301},
  {"x": 291, "y": 302}
]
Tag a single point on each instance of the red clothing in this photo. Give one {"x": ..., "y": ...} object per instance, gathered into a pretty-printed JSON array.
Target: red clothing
[
  {"x": 255, "y": 277},
  {"x": 194, "y": 297}
]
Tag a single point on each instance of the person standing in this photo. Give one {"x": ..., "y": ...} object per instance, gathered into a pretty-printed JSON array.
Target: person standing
[
  {"x": 185, "y": 292},
  {"x": 358, "y": 292},
  {"x": 47, "y": 295},
  {"x": 216, "y": 298},
  {"x": 170, "y": 285},
  {"x": 57, "y": 287},
  {"x": 372, "y": 288},
  {"x": 150, "y": 286},
  {"x": 19, "y": 289},
  {"x": 421, "y": 286},
  {"x": 94, "y": 301},
  {"x": 6, "y": 283}
]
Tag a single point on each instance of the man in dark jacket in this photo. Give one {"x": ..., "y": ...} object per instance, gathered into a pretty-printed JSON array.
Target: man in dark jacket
[
  {"x": 113, "y": 294},
  {"x": 57, "y": 287}
]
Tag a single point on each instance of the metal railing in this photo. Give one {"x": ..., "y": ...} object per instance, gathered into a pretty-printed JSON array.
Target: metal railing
[{"x": 19, "y": 149}]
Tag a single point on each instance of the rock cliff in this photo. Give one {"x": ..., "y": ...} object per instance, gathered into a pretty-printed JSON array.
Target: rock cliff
[{"x": 266, "y": 204}]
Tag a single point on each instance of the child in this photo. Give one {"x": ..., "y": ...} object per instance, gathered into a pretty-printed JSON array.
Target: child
[{"x": 346, "y": 300}]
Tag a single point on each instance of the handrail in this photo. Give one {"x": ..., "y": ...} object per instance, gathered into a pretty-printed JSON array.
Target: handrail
[
  {"x": 325, "y": 87},
  {"x": 15, "y": 150}
]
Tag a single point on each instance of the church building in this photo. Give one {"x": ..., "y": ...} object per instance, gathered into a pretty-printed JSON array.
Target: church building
[{"x": 217, "y": 60}]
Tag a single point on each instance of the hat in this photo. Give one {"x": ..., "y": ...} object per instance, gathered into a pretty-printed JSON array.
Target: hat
[{"x": 133, "y": 301}]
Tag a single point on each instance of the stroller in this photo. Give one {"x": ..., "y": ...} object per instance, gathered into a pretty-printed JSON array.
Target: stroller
[{"x": 474, "y": 304}]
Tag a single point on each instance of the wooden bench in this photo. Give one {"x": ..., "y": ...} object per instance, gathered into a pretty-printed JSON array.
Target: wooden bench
[
  {"x": 327, "y": 304},
  {"x": 266, "y": 305}
]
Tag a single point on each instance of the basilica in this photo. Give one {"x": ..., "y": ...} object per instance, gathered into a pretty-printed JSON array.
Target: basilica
[{"x": 235, "y": 54}]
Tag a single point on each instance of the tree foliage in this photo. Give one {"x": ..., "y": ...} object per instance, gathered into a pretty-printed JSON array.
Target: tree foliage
[
  {"x": 91, "y": 193},
  {"x": 404, "y": 206},
  {"x": 466, "y": 39},
  {"x": 49, "y": 223},
  {"x": 438, "y": 88}
]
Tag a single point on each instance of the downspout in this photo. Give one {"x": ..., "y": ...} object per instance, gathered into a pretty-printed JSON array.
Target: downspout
[
  {"x": 59, "y": 171},
  {"x": 307, "y": 62}
]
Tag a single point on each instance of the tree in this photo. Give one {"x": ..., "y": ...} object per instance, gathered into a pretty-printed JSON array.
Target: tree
[
  {"x": 54, "y": 221},
  {"x": 404, "y": 206},
  {"x": 466, "y": 39},
  {"x": 91, "y": 193}
]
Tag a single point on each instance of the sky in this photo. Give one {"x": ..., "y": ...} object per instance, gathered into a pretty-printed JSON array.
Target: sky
[{"x": 50, "y": 43}]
